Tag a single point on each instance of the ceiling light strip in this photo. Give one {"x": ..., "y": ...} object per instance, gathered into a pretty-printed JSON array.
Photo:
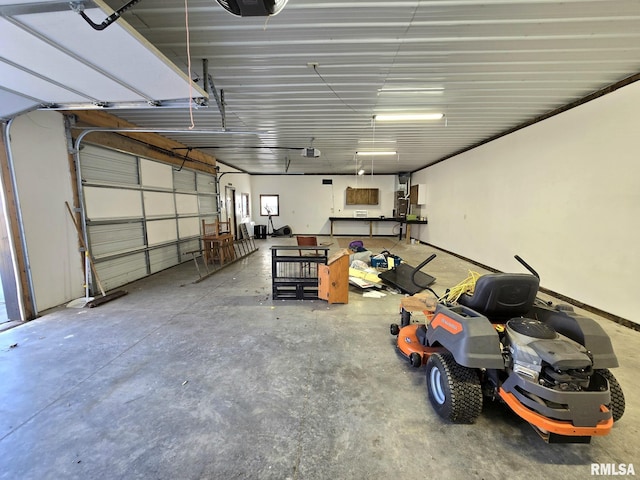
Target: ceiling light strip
[
  {"x": 407, "y": 117},
  {"x": 377, "y": 153}
]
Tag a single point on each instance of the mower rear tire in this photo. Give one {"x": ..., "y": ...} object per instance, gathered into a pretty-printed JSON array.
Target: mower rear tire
[
  {"x": 454, "y": 391},
  {"x": 394, "y": 329},
  {"x": 618, "y": 403}
]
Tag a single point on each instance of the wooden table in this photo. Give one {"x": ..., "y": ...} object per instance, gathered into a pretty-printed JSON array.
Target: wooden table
[
  {"x": 408, "y": 223},
  {"x": 218, "y": 247}
]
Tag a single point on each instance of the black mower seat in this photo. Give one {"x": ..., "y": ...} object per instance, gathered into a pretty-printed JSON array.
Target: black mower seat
[{"x": 501, "y": 296}]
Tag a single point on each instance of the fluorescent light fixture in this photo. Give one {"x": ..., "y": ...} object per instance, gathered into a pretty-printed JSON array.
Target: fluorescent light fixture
[
  {"x": 376, "y": 141},
  {"x": 361, "y": 171},
  {"x": 377, "y": 153},
  {"x": 407, "y": 117},
  {"x": 411, "y": 89},
  {"x": 410, "y": 92}
]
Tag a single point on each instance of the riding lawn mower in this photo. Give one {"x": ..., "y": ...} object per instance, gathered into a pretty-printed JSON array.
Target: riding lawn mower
[{"x": 549, "y": 364}]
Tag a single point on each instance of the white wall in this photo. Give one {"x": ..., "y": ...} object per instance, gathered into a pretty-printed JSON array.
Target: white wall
[
  {"x": 40, "y": 157},
  {"x": 306, "y": 204},
  {"x": 241, "y": 183},
  {"x": 564, "y": 194}
]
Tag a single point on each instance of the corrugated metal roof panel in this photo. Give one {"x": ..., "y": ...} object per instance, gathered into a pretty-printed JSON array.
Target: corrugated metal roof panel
[{"x": 488, "y": 66}]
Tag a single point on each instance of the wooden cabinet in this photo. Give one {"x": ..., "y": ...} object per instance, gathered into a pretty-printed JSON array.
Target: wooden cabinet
[
  {"x": 418, "y": 194},
  {"x": 362, "y": 196},
  {"x": 333, "y": 279}
]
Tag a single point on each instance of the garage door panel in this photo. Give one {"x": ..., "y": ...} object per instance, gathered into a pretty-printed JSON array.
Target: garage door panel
[
  {"x": 108, "y": 167},
  {"x": 205, "y": 183},
  {"x": 114, "y": 239},
  {"x": 186, "y": 204},
  {"x": 188, "y": 227},
  {"x": 139, "y": 211},
  {"x": 187, "y": 247},
  {"x": 161, "y": 231},
  {"x": 207, "y": 204},
  {"x": 112, "y": 203},
  {"x": 159, "y": 204},
  {"x": 122, "y": 270},
  {"x": 155, "y": 174},
  {"x": 184, "y": 180},
  {"x": 161, "y": 258}
]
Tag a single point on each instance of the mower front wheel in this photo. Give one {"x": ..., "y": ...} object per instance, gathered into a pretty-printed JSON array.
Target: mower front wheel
[
  {"x": 454, "y": 391},
  {"x": 415, "y": 359},
  {"x": 394, "y": 329}
]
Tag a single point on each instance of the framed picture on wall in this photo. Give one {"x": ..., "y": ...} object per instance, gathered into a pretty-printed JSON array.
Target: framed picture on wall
[{"x": 269, "y": 205}]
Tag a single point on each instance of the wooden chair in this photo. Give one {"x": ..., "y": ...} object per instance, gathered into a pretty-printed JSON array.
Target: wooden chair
[
  {"x": 209, "y": 228},
  {"x": 216, "y": 228},
  {"x": 307, "y": 241},
  {"x": 223, "y": 227}
]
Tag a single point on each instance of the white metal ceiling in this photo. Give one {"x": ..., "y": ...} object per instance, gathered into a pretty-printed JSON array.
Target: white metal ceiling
[{"x": 487, "y": 65}]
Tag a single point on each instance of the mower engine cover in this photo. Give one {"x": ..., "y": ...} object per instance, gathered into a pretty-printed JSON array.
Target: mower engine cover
[{"x": 533, "y": 344}]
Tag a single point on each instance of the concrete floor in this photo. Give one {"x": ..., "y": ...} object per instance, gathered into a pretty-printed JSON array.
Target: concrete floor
[{"x": 214, "y": 380}]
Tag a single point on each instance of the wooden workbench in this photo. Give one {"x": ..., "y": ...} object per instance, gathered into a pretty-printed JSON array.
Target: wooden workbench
[{"x": 372, "y": 220}]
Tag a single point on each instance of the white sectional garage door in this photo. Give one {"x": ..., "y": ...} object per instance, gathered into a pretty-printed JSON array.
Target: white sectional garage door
[{"x": 142, "y": 216}]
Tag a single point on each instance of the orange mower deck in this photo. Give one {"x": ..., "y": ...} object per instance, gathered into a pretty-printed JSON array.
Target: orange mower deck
[
  {"x": 408, "y": 343},
  {"x": 546, "y": 425}
]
